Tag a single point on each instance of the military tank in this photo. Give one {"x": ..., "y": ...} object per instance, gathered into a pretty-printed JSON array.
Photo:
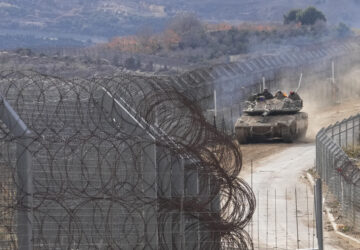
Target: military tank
[{"x": 272, "y": 117}]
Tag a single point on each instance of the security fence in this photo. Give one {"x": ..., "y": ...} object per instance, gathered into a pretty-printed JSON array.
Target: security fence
[
  {"x": 341, "y": 173},
  {"x": 235, "y": 82},
  {"x": 284, "y": 219},
  {"x": 125, "y": 162}
]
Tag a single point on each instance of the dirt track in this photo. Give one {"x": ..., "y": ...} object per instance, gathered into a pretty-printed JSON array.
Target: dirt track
[
  {"x": 280, "y": 166},
  {"x": 282, "y": 172}
]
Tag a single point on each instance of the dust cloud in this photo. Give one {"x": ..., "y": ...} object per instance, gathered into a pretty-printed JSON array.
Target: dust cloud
[{"x": 327, "y": 104}]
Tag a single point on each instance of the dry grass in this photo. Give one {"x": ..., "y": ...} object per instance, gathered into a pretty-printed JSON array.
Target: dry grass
[{"x": 353, "y": 152}]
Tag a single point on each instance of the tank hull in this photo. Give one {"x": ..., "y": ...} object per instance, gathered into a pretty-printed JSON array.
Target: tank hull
[{"x": 287, "y": 127}]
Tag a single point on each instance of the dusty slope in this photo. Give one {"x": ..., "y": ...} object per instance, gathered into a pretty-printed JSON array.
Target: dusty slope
[{"x": 323, "y": 117}]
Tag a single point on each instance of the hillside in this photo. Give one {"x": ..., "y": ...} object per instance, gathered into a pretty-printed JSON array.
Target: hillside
[
  {"x": 87, "y": 21},
  {"x": 88, "y": 17}
]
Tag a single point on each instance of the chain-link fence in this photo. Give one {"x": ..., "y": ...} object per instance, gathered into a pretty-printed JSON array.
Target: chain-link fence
[
  {"x": 284, "y": 219},
  {"x": 341, "y": 173},
  {"x": 125, "y": 162}
]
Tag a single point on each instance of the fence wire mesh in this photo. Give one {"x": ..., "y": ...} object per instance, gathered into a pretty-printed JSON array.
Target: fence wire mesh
[
  {"x": 126, "y": 162},
  {"x": 337, "y": 169},
  {"x": 284, "y": 219}
]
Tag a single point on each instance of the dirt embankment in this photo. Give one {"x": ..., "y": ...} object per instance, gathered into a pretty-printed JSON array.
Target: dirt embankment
[{"x": 323, "y": 117}]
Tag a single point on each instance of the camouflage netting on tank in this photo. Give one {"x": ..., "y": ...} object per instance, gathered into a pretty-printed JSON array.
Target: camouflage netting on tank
[{"x": 115, "y": 163}]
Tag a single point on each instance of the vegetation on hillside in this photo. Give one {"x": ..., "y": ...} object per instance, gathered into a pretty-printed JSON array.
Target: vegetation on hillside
[
  {"x": 99, "y": 20},
  {"x": 192, "y": 41},
  {"x": 186, "y": 40}
]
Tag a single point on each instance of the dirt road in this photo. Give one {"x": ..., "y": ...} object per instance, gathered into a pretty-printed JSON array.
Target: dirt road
[
  {"x": 275, "y": 219},
  {"x": 276, "y": 228},
  {"x": 279, "y": 168}
]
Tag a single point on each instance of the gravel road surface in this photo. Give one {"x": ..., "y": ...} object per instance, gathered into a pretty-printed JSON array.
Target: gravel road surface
[{"x": 276, "y": 227}]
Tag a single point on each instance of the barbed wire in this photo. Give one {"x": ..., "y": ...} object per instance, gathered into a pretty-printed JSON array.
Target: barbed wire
[{"x": 124, "y": 162}]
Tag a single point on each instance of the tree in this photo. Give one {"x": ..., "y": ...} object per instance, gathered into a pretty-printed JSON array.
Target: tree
[
  {"x": 144, "y": 35},
  {"x": 130, "y": 63},
  {"x": 147, "y": 40},
  {"x": 185, "y": 23},
  {"x": 24, "y": 52},
  {"x": 343, "y": 30},
  {"x": 171, "y": 39},
  {"x": 309, "y": 16},
  {"x": 291, "y": 16},
  {"x": 190, "y": 30}
]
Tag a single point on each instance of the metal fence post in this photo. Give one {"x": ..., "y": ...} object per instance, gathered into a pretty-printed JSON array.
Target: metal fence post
[
  {"x": 232, "y": 121},
  {"x": 353, "y": 205},
  {"x": 353, "y": 133},
  {"x": 296, "y": 220},
  {"x": 358, "y": 140},
  {"x": 24, "y": 193},
  {"x": 318, "y": 207},
  {"x": 346, "y": 133},
  {"x": 339, "y": 134}
]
